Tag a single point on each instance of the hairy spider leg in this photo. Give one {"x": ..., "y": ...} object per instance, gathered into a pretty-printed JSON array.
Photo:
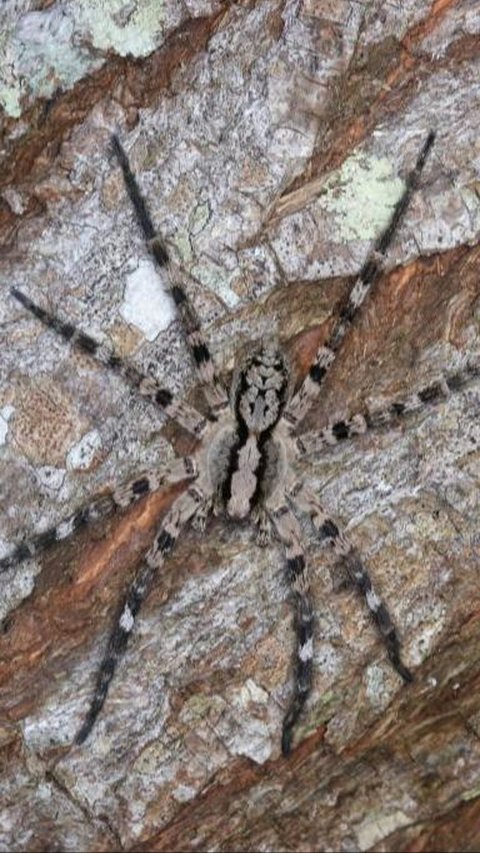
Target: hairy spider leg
[
  {"x": 181, "y": 512},
  {"x": 289, "y": 533},
  {"x": 356, "y": 572},
  {"x": 176, "y": 410},
  {"x": 385, "y": 416},
  {"x": 347, "y": 310},
  {"x": 122, "y": 496},
  {"x": 215, "y": 393}
]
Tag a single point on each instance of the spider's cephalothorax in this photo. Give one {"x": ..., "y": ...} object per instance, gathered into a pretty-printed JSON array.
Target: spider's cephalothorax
[
  {"x": 258, "y": 398},
  {"x": 244, "y": 466}
]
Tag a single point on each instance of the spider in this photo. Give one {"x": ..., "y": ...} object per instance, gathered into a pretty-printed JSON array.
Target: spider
[{"x": 244, "y": 464}]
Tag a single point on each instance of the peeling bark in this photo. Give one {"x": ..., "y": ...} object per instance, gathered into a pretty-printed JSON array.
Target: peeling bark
[{"x": 260, "y": 132}]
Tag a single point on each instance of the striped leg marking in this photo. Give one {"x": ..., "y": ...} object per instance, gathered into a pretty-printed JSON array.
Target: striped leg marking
[
  {"x": 288, "y": 531},
  {"x": 183, "y": 509},
  {"x": 176, "y": 410},
  {"x": 356, "y": 573},
  {"x": 430, "y": 395},
  {"x": 214, "y": 391},
  {"x": 122, "y": 496},
  {"x": 370, "y": 272}
]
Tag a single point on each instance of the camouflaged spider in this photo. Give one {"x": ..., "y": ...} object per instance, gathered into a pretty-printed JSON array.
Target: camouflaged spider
[{"x": 244, "y": 467}]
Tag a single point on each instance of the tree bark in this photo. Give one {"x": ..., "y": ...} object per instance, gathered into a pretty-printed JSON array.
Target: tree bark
[{"x": 271, "y": 139}]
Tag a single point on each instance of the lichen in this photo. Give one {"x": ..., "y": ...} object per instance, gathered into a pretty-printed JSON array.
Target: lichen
[{"x": 361, "y": 195}]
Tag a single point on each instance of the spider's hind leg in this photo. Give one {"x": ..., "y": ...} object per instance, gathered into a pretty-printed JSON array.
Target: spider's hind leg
[
  {"x": 353, "y": 572},
  {"x": 289, "y": 533},
  {"x": 182, "y": 511},
  {"x": 100, "y": 507}
]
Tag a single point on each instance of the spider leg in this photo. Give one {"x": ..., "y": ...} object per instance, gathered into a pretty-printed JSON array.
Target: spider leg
[
  {"x": 121, "y": 496},
  {"x": 386, "y": 416},
  {"x": 370, "y": 272},
  {"x": 213, "y": 388},
  {"x": 176, "y": 410},
  {"x": 355, "y": 571},
  {"x": 289, "y": 533},
  {"x": 181, "y": 512}
]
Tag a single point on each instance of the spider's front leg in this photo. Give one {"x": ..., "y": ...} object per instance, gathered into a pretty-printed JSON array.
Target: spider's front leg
[
  {"x": 205, "y": 367},
  {"x": 183, "y": 510},
  {"x": 289, "y": 533},
  {"x": 309, "y": 390},
  {"x": 102, "y": 506},
  {"x": 356, "y": 572}
]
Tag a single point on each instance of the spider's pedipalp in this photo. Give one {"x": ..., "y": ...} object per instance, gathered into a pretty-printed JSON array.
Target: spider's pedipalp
[{"x": 181, "y": 512}]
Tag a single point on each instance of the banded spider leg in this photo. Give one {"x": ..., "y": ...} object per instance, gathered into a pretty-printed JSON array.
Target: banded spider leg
[
  {"x": 434, "y": 393},
  {"x": 295, "y": 411},
  {"x": 191, "y": 505},
  {"x": 310, "y": 388},
  {"x": 181, "y": 512},
  {"x": 122, "y": 496}
]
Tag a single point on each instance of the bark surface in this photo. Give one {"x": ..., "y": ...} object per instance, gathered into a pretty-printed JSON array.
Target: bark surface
[{"x": 271, "y": 139}]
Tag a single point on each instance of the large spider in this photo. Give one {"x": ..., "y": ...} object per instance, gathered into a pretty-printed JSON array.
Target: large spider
[{"x": 244, "y": 467}]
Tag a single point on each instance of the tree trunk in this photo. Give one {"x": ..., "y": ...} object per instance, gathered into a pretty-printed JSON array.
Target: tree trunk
[{"x": 271, "y": 140}]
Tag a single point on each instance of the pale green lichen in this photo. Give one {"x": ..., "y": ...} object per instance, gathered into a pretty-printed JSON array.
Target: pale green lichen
[
  {"x": 52, "y": 49},
  {"x": 183, "y": 246},
  {"x": 471, "y": 794},
  {"x": 42, "y": 58},
  {"x": 126, "y": 27},
  {"x": 218, "y": 281},
  {"x": 199, "y": 218},
  {"x": 361, "y": 195},
  {"x": 378, "y": 825}
]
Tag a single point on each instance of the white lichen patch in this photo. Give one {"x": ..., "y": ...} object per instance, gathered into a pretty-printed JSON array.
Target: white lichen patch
[
  {"x": 254, "y": 737},
  {"x": 184, "y": 793},
  {"x": 19, "y": 584},
  {"x": 146, "y": 303},
  {"x": 251, "y": 692},
  {"x": 50, "y": 479},
  {"x": 328, "y": 658},
  {"x": 82, "y": 454},
  {"x": 378, "y": 826},
  {"x": 5, "y": 413}
]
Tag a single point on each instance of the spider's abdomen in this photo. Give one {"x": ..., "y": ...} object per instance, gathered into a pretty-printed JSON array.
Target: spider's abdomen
[{"x": 258, "y": 399}]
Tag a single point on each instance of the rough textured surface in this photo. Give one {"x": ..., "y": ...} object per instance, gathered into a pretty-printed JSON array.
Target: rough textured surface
[{"x": 270, "y": 138}]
